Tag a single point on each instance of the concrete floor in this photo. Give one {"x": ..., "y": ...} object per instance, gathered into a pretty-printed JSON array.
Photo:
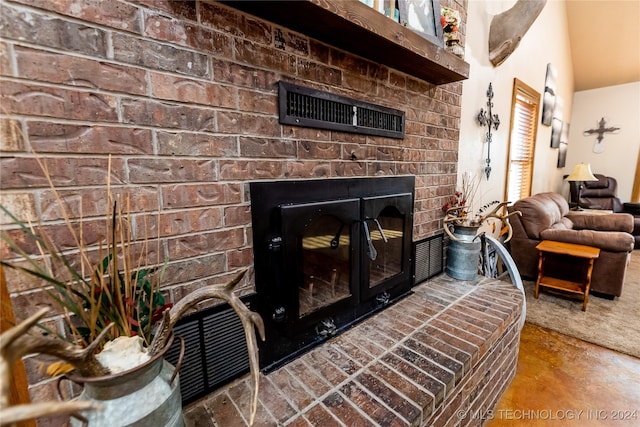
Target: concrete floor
[{"x": 563, "y": 381}]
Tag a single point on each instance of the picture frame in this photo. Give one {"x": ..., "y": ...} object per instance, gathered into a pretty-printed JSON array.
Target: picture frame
[
  {"x": 558, "y": 108},
  {"x": 551, "y": 79},
  {"x": 562, "y": 154},
  {"x": 423, "y": 18},
  {"x": 564, "y": 134},
  {"x": 548, "y": 104},
  {"x": 556, "y": 132},
  {"x": 549, "y": 97}
]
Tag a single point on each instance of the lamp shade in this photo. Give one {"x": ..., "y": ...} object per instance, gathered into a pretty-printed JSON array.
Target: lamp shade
[{"x": 581, "y": 172}]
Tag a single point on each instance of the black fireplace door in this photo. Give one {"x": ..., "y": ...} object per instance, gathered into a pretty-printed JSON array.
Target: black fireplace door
[
  {"x": 386, "y": 241},
  {"x": 320, "y": 242}
]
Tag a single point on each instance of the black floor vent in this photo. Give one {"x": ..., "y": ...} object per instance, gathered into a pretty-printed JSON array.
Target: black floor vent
[
  {"x": 428, "y": 258},
  {"x": 301, "y": 106},
  {"x": 215, "y": 350}
]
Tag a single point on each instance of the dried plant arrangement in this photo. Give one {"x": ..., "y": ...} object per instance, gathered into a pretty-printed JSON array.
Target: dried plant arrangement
[
  {"x": 118, "y": 292},
  {"x": 459, "y": 210},
  {"x": 112, "y": 287},
  {"x": 109, "y": 290}
]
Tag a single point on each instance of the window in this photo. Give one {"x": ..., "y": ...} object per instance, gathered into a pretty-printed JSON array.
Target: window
[{"x": 522, "y": 141}]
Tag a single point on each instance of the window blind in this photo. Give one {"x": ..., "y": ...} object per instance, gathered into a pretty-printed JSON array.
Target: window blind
[{"x": 522, "y": 138}]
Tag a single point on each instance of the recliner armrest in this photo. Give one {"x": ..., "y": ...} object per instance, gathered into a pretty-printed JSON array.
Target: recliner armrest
[
  {"x": 610, "y": 222},
  {"x": 613, "y": 241}
]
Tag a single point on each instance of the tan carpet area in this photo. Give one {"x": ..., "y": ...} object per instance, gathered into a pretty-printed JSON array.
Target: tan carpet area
[{"x": 614, "y": 324}]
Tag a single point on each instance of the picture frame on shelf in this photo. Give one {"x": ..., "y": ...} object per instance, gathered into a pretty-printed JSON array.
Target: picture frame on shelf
[{"x": 423, "y": 18}]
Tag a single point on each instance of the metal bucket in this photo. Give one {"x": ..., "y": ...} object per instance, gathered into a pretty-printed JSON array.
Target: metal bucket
[
  {"x": 147, "y": 395},
  {"x": 463, "y": 255}
]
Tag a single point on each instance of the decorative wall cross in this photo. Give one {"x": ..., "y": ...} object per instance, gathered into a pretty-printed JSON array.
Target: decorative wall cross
[
  {"x": 600, "y": 131},
  {"x": 486, "y": 118}
]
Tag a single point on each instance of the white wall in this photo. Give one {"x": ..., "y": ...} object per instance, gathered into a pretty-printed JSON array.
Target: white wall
[
  {"x": 620, "y": 106},
  {"x": 545, "y": 42}
]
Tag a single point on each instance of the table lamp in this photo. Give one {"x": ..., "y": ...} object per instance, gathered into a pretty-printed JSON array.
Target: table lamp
[{"x": 581, "y": 172}]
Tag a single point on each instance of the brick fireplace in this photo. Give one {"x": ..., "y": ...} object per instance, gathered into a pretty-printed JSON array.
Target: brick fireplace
[{"x": 183, "y": 96}]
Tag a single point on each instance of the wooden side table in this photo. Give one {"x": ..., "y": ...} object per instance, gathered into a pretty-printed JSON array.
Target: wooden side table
[{"x": 549, "y": 247}]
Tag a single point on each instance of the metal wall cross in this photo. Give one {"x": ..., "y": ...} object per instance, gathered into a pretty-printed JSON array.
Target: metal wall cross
[
  {"x": 600, "y": 131},
  {"x": 490, "y": 120}
]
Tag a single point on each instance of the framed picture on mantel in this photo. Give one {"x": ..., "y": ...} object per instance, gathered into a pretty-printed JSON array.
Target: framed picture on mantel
[{"x": 422, "y": 17}]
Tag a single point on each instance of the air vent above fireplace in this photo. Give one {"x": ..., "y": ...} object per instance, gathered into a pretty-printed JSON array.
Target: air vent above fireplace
[{"x": 302, "y": 106}]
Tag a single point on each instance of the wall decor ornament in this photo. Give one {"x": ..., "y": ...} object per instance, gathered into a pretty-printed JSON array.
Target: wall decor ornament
[
  {"x": 509, "y": 27},
  {"x": 602, "y": 128},
  {"x": 450, "y": 20},
  {"x": 487, "y": 118}
]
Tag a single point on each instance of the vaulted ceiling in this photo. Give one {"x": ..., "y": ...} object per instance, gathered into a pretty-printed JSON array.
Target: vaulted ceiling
[{"x": 605, "y": 42}]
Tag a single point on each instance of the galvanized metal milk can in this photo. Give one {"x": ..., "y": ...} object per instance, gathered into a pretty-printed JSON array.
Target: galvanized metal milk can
[
  {"x": 147, "y": 395},
  {"x": 463, "y": 254}
]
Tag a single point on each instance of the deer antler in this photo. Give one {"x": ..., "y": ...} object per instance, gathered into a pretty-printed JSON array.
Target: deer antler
[
  {"x": 83, "y": 359},
  {"x": 447, "y": 230},
  {"x": 248, "y": 318},
  {"x": 13, "y": 344},
  {"x": 504, "y": 219}
]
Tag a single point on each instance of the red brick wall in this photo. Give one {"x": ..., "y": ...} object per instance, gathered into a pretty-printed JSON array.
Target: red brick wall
[{"x": 183, "y": 96}]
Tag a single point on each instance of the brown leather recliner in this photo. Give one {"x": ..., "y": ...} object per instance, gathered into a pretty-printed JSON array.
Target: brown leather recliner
[
  {"x": 600, "y": 194},
  {"x": 546, "y": 216}
]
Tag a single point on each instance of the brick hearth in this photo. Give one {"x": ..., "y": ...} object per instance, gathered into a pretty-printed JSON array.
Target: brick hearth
[{"x": 435, "y": 358}]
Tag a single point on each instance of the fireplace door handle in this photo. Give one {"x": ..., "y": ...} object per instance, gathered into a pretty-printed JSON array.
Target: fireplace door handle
[
  {"x": 384, "y": 238},
  {"x": 335, "y": 242},
  {"x": 370, "y": 250}
]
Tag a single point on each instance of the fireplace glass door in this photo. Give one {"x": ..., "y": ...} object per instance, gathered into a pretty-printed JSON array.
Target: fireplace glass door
[
  {"x": 386, "y": 239},
  {"x": 326, "y": 244},
  {"x": 323, "y": 251}
]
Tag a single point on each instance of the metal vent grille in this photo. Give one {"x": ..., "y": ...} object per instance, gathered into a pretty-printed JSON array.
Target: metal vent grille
[
  {"x": 307, "y": 107},
  {"x": 215, "y": 350},
  {"x": 429, "y": 258},
  {"x": 193, "y": 382},
  {"x": 225, "y": 345}
]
